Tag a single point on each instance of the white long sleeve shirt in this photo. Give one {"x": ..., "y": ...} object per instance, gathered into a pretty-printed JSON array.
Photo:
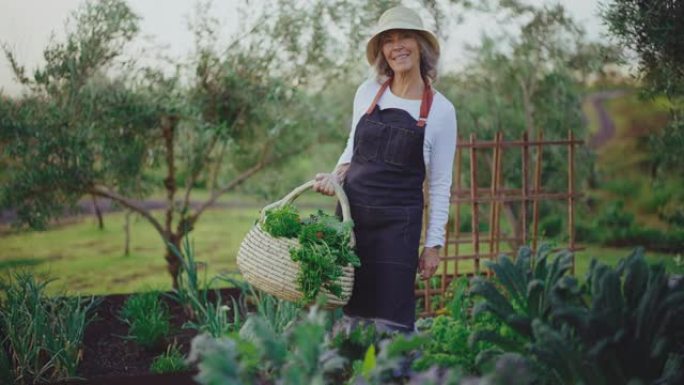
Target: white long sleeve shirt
[{"x": 439, "y": 147}]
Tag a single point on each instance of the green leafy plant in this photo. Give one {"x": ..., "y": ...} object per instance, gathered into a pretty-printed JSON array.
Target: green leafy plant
[
  {"x": 147, "y": 318},
  {"x": 449, "y": 334},
  {"x": 171, "y": 361},
  {"x": 283, "y": 222},
  {"x": 623, "y": 324},
  {"x": 43, "y": 334},
  {"x": 322, "y": 252},
  {"x": 524, "y": 289},
  {"x": 299, "y": 355}
]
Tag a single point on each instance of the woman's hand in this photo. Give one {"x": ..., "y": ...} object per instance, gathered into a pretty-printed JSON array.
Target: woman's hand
[
  {"x": 428, "y": 262},
  {"x": 324, "y": 182}
]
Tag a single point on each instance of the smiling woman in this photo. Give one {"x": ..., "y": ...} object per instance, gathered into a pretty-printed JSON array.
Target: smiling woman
[
  {"x": 402, "y": 132},
  {"x": 405, "y": 49}
]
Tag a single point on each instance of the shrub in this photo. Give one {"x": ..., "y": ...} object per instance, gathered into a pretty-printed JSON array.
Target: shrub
[
  {"x": 551, "y": 225},
  {"x": 147, "y": 318}
]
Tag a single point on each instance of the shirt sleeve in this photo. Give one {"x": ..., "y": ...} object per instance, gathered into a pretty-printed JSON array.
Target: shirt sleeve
[
  {"x": 443, "y": 148},
  {"x": 356, "y": 115}
]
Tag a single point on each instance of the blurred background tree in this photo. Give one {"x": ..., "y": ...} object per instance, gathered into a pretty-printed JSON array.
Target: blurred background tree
[{"x": 654, "y": 32}]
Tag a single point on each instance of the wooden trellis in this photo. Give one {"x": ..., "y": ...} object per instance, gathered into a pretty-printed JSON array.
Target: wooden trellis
[{"x": 476, "y": 246}]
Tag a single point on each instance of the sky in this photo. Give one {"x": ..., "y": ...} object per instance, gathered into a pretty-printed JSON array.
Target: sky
[{"x": 27, "y": 25}]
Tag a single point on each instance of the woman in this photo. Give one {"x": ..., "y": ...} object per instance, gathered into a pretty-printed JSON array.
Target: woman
[{"x": 402, "y": 131}]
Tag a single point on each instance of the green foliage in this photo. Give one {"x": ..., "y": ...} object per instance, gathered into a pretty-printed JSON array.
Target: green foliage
[
  {"x": 147, "y": 318},
  {"x": 323, "y": 249},
  {"x": 283, "y": 222},
  {"x": 448, "y": 345},
  {"x": 75, "y": 128},
  {"x": 206, "y": 315},
  {"x": 551, "y": 226},
  {"x": 525, "y": 289},
  {"x": 653, "y": 30},
  {"x": 353, "y": 344},
  {"x": 297, "y": 356},
  {"x": 43, "y": 334},
  {"x": 279, "y": 314},
  {"x": 619, "y": 326},
  {"x": 171, "y": 361},
  {"x": 614, "y": 226}
]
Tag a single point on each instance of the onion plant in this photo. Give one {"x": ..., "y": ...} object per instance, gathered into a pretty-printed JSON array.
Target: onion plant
[
  {"x": 43, "y": 335},
  {"x": 148, "y": 319},
  {"x": 171, "y": 361}
]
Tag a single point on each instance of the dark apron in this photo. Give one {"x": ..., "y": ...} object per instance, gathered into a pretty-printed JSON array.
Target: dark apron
[{"x": 384, "y": 184}]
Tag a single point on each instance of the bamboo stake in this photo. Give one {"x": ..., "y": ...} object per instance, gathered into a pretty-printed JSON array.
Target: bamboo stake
[
  {"x": 475, "y": 205},
  {"x": 571, "y": 199},
  {"x": 457, "y": 220},
  {"x": 537, "y": 188},
  {"x": 525, "y": 186}
]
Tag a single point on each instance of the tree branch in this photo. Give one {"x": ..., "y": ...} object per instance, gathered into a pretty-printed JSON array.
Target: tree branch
[
  {"x": 195, "y": 174},
  {"x": 261, "y": 164},
  {"x": 131, "y": 204}
]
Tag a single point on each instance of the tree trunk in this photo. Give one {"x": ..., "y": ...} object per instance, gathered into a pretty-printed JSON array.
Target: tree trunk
[
  {"x": 98, "y": 213},
  {"x": 173, "y": 264},
  {"x": 127, "y": 233}
]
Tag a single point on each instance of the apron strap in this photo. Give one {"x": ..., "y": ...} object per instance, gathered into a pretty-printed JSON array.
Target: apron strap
[
  {"x": 425, "y": 103},
  {"x": 378, "y": 95}
]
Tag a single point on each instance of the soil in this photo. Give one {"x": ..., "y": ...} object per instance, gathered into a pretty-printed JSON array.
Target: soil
[{"x": 108, "y": 357}]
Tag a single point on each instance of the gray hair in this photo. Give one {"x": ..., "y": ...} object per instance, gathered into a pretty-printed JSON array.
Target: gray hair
[{"x": 428, "y": 60}]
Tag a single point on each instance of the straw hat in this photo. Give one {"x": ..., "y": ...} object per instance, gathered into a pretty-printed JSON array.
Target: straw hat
[{"x": 399, "y": 17}]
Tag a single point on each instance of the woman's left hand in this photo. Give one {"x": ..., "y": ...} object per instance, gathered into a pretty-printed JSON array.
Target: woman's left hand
[{"x": 428, "y": 262}]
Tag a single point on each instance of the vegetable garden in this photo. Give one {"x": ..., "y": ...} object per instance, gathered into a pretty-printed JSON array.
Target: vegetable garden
[{"x": 180, "y": 160}]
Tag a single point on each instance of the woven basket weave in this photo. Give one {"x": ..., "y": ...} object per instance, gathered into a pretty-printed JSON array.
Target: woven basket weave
[{"x": 265, "y": 261}]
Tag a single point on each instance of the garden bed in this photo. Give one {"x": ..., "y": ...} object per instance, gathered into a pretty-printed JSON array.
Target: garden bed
[{"x": 109, "y": 357}]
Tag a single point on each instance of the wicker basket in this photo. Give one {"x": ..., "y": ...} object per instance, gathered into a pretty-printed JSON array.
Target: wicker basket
[{"x": 266, "y": 264}]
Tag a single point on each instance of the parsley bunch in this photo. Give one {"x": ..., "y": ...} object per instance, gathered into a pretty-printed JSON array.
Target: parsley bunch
[{"x": 323, "y": 248}]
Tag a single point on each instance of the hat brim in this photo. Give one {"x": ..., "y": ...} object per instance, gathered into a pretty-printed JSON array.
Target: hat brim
[{"x": 372, "y": 46}]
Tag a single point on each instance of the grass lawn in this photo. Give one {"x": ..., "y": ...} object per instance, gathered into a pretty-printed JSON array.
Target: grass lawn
[{"x": 80, "y": 258}]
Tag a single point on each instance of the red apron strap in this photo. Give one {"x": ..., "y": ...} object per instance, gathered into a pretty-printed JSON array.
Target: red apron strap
[
  {"x": 378, "y": 95},
  {"x": 425, "y": 104}
]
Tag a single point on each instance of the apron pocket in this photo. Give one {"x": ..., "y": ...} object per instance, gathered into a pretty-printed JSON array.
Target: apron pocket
[
  {"x": 404, "y": 147},
  {"x": 369, "y": 139}
]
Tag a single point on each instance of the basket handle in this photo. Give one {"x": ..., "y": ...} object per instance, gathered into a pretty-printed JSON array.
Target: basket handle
[{"x": 289, "y": 198}]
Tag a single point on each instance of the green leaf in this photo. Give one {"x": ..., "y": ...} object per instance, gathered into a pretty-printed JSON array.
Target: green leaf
[{"x": 369, "y": 362}]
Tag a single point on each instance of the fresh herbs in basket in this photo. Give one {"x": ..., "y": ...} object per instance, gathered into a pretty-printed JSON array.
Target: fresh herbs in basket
[{"x": 323, "y": 247}]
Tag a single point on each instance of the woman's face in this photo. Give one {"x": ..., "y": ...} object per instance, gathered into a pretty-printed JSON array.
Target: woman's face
[{"x": 401, "y": 50}]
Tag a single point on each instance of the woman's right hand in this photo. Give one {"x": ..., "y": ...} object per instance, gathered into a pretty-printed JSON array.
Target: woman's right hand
[{"x": 324, "y": 185}]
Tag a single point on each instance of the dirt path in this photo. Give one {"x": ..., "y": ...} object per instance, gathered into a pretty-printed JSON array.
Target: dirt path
[
  {"x": 85, "y": 207},
  {"x": 606, "y": 125}
]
